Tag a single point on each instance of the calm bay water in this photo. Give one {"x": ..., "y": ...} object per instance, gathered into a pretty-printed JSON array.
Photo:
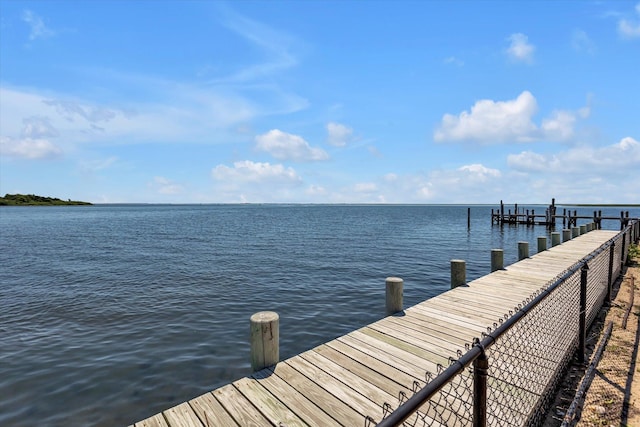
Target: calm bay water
[{"x": 110, "y": 314}]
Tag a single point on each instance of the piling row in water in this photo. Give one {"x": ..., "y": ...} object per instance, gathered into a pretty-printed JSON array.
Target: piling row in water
[{"x": 265, "y": 324}]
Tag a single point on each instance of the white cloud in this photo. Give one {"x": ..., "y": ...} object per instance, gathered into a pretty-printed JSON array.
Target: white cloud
[
  {"x": 276, "y": 46},
  {"x": 286, "y": 146},
  {"x": 630, "y": 29},
  {"x": 520, "y": 50},
  {"x": 256, "y": 172},
  {"x": 581, "y": 42},
  {"x": 38, "y": 127},
  {"x": 254, "y": 182},
  {"x": 527, "y": 161},
  {"x": 91, "y": 166},
  {"x": 338, "y": 135},
  {"x": 494, "y": 122},
  {"x": 616, "y": 159},
  {"x": 28, "y": 148},
  {"x": 182, "y": 113},
  {"x": 316, "y": 190},
  {"x": 479, "y": 172},
  {"x": 560, "y": 126},
  {"x": 454, "y": 61},
  {"x": 491, "y": 121},
  {"x": 165, "y": 186},
  {"x": 38, "y": 29},
  {"x": 365, "y": 187}
]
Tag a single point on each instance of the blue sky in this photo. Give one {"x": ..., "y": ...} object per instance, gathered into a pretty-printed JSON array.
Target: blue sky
[{"x": 321, "y": 102}]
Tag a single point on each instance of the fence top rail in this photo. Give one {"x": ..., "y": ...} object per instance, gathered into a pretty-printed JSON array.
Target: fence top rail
[{"x": 478, "y": 347}]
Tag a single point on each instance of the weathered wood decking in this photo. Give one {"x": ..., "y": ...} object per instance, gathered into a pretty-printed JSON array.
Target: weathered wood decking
[{"x": 343, "y": 381}]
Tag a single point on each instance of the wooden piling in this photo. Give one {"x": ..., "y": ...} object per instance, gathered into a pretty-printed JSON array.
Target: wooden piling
[
  {"x": 542, "y": 244},
  {"x": 555, "y": 238},
  {"x": 566, "y": 235},
  {"x": 458, "y": 273},
  {"x": 394, "y": 292},
  {"x": 265, "y": 339},
  {"x": 497, "y": 259},
  {"x": 523, "y": 250},
  {"x": 575, "y": 232},
  {"x": 583, "y": 229}
]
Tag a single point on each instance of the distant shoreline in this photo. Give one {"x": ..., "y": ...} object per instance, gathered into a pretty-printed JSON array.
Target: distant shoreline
[{"x": 33, "y": 200}]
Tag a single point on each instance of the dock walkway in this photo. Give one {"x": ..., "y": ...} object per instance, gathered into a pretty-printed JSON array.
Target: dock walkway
[{"x": 363, "y": 373}]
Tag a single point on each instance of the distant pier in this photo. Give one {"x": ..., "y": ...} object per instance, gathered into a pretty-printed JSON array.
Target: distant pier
[{"x": 551, "y": 217}]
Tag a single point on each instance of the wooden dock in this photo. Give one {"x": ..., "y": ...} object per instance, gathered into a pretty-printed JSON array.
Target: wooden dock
[
  {"x": 551, "y": 216},
  {"x": 363, "y": 373}
]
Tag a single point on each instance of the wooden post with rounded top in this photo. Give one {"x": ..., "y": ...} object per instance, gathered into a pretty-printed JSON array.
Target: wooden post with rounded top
[
  {"x": 566, "y": 235},
  {"x": 458, "y": 273},
  {"x": 555, "y": 238},
  {"x": 523, "y": 250},
  {"x": 542, "y": 243},
  {"x": 575, "y": 231},
  {"x": 394, "y": 287},
  {"x": 265, "y": 337},
  {"x": 497, "y": 259}
]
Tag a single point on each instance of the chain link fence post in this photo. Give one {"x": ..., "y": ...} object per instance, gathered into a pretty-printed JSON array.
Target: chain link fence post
[
  {"x": 582, "y": 338},
  {"x": 610, "y": 281},
  {"x": 480, "y": 370}
]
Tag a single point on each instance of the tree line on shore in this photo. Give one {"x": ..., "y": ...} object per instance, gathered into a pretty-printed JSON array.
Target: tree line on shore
[{"x": 33, "y": 200}]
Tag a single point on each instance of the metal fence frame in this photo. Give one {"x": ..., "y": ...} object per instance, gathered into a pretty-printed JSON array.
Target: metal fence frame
[{"x": 443, "y": 401}]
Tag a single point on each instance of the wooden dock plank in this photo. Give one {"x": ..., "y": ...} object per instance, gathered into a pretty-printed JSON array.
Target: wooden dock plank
[
  {"x": 155, "y": 421},
  {"x": 418, "y": 324},
  {"x": 210, "y": 411},
  {"x": 299, "y": 403},
  {"x": 402, "y": 360},
  {"x": 417, "y": 338},
  {"x": 404, "y": 345},
  {"x": 344, "y": 414},
  {"x": 182, "y": 416},
  {"x": 241, "y": 409},
  {"x": 437, "y": 321},
  {"x": 377, "y": 373},
  {"x": 269, "y": 405},
  {"x": 359, "y": 403}
]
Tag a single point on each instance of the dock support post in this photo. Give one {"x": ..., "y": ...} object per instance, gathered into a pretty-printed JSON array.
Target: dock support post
[
  {"x": 497, "y": 259},
  {"x": 394, "y": 293},
  {"x": 458, "y": 273},
  {"x": 621, "y": 220},
  {"x": 542, "y": 244},
  {"x": 575, "y": 232},
  {"x": 480, "y": 371},
  {"x": 555, "y": 238},
  {"x": 583, "y": 313},
  {"x": 583, "y": 229},
  {"x": 468, "y": 218},
  {"x": 612, "y": 250},
  {"x": 265, "y": 339},
  {"x": 523, "y": 250},
  {"x": 566, "y": 235}
]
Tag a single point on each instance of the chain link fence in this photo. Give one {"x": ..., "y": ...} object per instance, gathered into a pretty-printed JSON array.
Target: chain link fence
[{"x": 509, "y": 375}]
